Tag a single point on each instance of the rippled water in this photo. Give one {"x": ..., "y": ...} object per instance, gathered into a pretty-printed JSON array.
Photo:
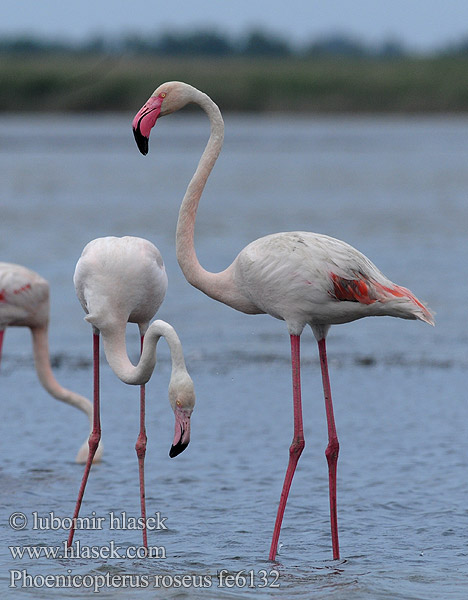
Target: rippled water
[{"x": 394, "y": 188}]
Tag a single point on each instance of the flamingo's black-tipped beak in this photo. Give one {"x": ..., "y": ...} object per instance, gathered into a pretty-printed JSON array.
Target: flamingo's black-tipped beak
[
  {"x": 182, "y": 432},
  {"x": 141, "y": 141},
  {"x": 145, "y": 120},
  {"x": 177, "y": 449}
]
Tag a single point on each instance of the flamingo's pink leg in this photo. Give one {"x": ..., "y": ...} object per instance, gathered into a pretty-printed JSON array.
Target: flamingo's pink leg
[
  {"x": 298, "y": 443},
  {"x": 94, "y": 437},
  {"x": 332, "y": 449},
  {"x": 2, "y": 333},
  {"x": 140, "y": 448}
]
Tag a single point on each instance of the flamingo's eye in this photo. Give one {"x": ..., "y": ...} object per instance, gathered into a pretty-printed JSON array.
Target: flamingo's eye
[{"x": 162, "y": 95}]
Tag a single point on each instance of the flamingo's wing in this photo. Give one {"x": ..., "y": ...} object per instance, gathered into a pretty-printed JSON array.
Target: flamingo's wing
[{"x": 24, "y": 296}]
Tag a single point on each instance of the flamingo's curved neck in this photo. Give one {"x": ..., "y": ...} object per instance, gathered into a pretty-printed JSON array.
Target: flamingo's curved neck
[
  {"x": 116, "y": 352},
  {"x": 214, "y": 285},
  {"x": 40, "y": 340},
  {"x": 115, "y": 349},
  {"x": 160, "y": 329}
]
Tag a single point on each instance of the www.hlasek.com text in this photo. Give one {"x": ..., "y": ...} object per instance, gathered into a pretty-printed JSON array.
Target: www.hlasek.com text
[{"x": 76, "y": 550}]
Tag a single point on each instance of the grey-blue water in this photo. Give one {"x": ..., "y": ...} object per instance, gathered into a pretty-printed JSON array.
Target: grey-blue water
[{"x": 394, "y": 188}]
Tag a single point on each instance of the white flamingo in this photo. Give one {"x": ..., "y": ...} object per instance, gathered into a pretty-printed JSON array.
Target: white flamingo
[
  {"x": 24, "y": 302},
  {"x": 300, "y": 277},
  {"x": 120, "y": 281}
]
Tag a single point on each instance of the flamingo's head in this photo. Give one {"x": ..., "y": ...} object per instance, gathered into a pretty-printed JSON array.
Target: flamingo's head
[
  {"x": 182, "y": 399},
  {"x": 166, "y": 99}
]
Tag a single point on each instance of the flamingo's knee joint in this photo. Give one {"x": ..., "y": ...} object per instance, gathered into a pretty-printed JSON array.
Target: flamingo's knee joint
[
  {"x": 332, "y": 450},
  {"x": 140, "y": 445},
  {"x": 296, "y": 448},
  {"x": 93, "y": 441}
]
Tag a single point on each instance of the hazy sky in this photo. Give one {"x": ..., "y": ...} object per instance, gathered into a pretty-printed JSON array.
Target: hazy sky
[{"x": 420, "y": 24}]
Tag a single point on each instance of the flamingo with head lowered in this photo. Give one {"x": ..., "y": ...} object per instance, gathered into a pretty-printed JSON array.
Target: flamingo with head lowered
[
  {"x": 24, "y": 302},
  {"x": 299, "y": 277},
  {"x": 120, "y": 281}
]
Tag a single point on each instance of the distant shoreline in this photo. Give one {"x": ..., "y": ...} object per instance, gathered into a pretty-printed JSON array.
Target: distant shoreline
[{"x": 93, "y": 83}]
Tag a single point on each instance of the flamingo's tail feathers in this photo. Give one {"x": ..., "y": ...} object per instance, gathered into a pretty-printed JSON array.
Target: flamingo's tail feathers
[
  {"x": 426, "y": 315},
  {"x": 419, "y": 310},
  {"x": 367, "y": 290}
]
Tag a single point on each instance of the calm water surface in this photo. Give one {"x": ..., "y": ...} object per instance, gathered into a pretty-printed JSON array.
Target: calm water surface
[{"x": 394, "y": 188}]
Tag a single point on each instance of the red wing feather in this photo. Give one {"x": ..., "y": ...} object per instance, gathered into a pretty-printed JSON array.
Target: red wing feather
[
  {"x": 353, "y": 290},
  {"x": 368, "y": 291}
]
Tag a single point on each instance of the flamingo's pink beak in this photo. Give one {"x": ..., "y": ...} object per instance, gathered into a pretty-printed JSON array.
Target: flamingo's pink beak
[
  {"x": 144, "y": 121},
  {"x": 182, "y": 432}
]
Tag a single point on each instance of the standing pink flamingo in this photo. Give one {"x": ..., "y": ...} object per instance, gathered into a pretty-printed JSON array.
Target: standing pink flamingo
[
  {"x": 24, "y": 302},
  {"x": 299, "y": 277},
  {"x": 120, "y": 281}
]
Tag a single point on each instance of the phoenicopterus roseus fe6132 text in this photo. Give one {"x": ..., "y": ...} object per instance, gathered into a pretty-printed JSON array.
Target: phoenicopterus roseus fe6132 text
[
  {"x": 120, "y": 281},
  {"x": 300, "y": 277},
  {"x": 24, "y": 302}
]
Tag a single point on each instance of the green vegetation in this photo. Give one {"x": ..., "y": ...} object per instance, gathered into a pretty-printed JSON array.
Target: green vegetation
[
  {"x": 111, "y": 83},
  {"x": 257, "y": 72}
]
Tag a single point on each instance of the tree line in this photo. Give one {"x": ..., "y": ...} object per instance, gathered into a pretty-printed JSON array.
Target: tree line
[{"x": 213, "y": 43}]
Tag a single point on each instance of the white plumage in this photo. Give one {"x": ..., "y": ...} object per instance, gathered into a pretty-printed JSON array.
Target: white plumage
[
  {"x": 120, "y": 280},
  {"x": 293, "y": 276}
]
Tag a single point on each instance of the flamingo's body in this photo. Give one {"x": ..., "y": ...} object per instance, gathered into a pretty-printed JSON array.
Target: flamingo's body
[
  {"x": 311, "y": 279},
  {"x": 302, "y": 278},
  {"x": 120, "y": 281},
  {"x": 24, "y": 302}
]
